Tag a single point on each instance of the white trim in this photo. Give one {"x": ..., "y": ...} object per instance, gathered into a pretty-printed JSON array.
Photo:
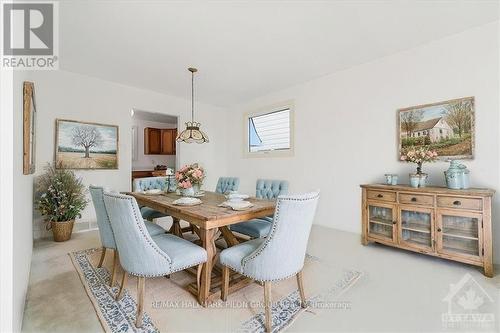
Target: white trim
[
  {"x": 6, "y": 201},
  {"x": 264, "y": 110}
]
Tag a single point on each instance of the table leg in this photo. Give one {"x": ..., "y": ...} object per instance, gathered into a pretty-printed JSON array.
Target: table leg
[
  {"x": 176, "y": 229},
  {"x": 208, "y": 239},
  {"x": 230, "y": 239}
]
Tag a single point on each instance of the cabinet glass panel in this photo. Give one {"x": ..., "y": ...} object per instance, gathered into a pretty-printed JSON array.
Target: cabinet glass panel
[
  {"x": 460, "y": 234},
  {"x": 416, "y": 227},
  {"x": 380, "y": 221}
]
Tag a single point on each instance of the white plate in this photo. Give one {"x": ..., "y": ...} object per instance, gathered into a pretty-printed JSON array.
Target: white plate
[
  {"x": 239, "y": 205},
  {"x": 187, "y": 201}
]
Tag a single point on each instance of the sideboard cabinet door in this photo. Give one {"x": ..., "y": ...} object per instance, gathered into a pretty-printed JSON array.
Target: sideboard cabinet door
[
  {"x": 460, "y": 234},
  {"x": 417, "y": 225},
  {"x": 382, "y": 221}
]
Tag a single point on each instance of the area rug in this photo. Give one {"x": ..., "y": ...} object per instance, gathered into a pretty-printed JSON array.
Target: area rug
[{"x": 170, "y": 307}]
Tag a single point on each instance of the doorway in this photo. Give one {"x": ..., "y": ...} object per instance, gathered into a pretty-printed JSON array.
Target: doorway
[{"x": 154, "y": 148}]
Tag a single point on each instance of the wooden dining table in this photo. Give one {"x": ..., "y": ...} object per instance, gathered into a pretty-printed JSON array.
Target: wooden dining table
[{"x": 208, "y": 220}]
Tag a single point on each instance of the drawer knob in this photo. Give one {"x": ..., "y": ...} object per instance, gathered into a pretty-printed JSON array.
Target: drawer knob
[
  {"x": 439, "y": 229},
  {"x": 380, "y": 196},
  {"x": 394, "y": 222},
  {"x": 414, "y": 199},
  {"x": 457, "y": 203}
]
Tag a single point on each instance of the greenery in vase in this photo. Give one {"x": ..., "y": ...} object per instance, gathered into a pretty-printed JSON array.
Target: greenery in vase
[
  {"x": 190, "y": 175},
  {"x": 418, "y": 155},
  {"x": 61, "y": 195}
]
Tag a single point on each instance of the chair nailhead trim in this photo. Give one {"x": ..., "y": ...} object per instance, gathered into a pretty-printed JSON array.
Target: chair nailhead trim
[
  {"x": 168, "y": 272},
  {"x": 260, "y": 280}
]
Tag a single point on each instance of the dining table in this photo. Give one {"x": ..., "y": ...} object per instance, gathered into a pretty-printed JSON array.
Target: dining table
[{"x": 208, "y": 220}]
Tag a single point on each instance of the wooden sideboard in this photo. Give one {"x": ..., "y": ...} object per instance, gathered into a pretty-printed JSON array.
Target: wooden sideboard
[{"x": 450, "y": 224}]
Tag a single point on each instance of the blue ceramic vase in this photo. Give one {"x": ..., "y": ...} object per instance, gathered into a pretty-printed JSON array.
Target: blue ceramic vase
[{"x": 457, "y": 176}]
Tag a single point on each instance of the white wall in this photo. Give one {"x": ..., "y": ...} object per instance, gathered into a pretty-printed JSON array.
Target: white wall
[
  {"x": 22, "y": 198},
  {"x": 68, "y": 95},
  {"x": 12, "y": 294},
  {"x": 148, "y": 162},
  {"x": 345, "y": 130}
]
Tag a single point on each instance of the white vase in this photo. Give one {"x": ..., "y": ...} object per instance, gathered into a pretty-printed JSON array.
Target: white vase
[
  {"x": 188, "y": 192},
  {"x": 196, "y": 188}
]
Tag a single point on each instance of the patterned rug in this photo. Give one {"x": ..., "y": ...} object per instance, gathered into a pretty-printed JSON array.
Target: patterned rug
[{"x": 167, "y": 301}]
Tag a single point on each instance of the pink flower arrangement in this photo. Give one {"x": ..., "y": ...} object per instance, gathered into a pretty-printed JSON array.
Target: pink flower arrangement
[
  {"x": 418, "y": 155},
  {"x": 189, "y": 175}
]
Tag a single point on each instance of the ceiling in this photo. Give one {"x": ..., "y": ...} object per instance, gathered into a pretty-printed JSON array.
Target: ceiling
[{"x": 245, "y": 49}]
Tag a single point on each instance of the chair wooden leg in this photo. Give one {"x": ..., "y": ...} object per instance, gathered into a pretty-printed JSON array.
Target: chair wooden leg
[
  {"x": 115, "y": 266},
  {"x": 225, "y": 283},
  {"x": 300, "y": 283},
  {"x": 267, "y": 306},
  {"x": 141, "y": 281},
  {"x": 198, "y": 277},
  {"x": 103, "y": 254},
  {"x": 122, "y": 287}
]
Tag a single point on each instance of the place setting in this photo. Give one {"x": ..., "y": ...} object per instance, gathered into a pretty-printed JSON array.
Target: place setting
[
  {"x": 236, "y": 201},
  {"x": 187, "y": 201}
]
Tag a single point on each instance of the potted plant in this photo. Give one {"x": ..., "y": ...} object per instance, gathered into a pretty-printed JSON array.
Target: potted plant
[
  {"x": 189, "y": 179},
  {"x": 418, "y": 155},
  {"x": 61, "y": 200}
]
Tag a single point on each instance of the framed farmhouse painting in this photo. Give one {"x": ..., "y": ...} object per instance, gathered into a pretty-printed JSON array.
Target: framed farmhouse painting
[
  {"x": 82, "y": 145},
  {"x": 446, "y": 127}
]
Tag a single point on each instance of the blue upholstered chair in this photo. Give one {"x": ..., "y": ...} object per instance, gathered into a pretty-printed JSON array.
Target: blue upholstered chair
[
  {"x": 105, "y": 231},
  {"x": 143, "y": 255},
  {"x": 150, "y": 183},
  {"x": 227, "y": 184},
  {"x": 266, "y": 189},
  {"x": 280, "y": 254}
]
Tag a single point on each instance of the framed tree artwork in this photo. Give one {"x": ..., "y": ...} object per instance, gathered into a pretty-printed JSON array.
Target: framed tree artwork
[
  {"x": 81, "y": 145},
  {"x": 29, "y": 128},
  {"x": 446, "y": 127}
]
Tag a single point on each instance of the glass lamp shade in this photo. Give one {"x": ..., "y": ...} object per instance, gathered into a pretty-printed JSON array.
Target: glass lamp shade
[{"x": 192, "y": 133}]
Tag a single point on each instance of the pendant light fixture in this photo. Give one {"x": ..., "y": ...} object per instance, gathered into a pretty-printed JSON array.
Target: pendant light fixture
[{"x": 192, "y": 133}]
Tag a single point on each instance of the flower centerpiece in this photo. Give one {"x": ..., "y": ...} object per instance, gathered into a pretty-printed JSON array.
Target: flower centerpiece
[
  {"x": 61, "y": 199},
  {"x": 418, "y": 155},
  {"x": 190, "y": 178}
]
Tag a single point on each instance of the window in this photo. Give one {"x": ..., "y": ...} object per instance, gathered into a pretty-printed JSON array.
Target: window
[{"x": 269, "y": 131}]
